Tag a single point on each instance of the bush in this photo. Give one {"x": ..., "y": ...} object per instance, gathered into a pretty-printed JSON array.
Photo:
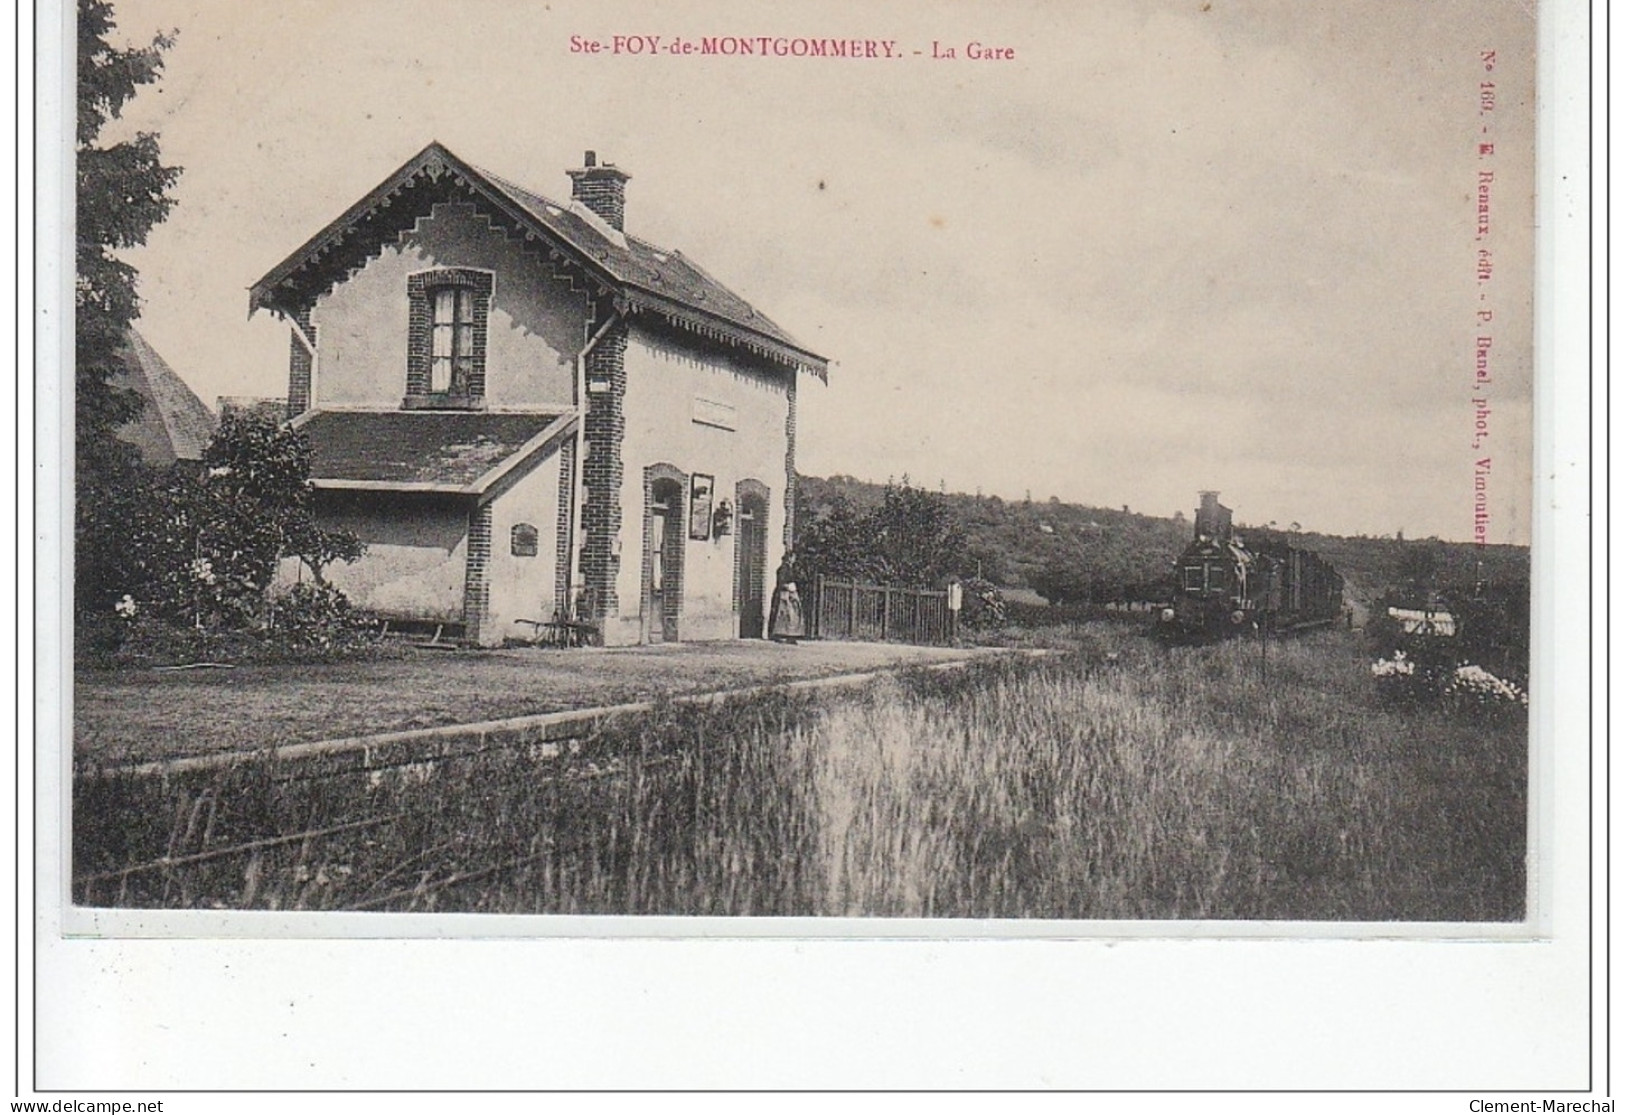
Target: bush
[
  {"x": 982, "y": 605},
  {"x": 198, "y": 549},
  {"x": 317, "y": 617},
  {"x": 309, "y": 623},
  {"x": 1473, "y": 688},
  {"x": 149, "y": 640},
  {"x": 1480, "y": 667},
  {"x": 1048, "y": 615}
]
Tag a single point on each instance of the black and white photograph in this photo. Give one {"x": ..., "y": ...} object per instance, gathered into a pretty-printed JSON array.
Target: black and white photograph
[{"x": 965, "y": 469}]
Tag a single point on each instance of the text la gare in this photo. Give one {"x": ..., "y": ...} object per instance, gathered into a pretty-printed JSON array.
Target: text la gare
[{"x": 974, "y": 51}]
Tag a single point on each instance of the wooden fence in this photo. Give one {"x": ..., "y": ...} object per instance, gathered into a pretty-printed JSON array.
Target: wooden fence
[{"x": 881, "y": 613}]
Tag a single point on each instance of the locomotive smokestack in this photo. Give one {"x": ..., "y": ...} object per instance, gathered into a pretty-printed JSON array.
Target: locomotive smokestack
[{"x": 1212, "y": 517}]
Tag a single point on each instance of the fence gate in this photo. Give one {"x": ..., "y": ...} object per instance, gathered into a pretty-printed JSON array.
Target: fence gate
[{"x": 881, "y": 613}]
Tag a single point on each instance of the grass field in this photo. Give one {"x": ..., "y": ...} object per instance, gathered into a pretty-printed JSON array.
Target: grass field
[{"x": 1123, "y": 780}]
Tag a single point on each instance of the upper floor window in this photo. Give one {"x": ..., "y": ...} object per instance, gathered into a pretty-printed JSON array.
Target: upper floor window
[
  {"x": 452, "y": 328},
  {"x": 445, "y": 362}
]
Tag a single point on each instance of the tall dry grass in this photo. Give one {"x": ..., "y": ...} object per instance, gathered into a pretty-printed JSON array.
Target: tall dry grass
[
  {"x": 1122, "y": 780},
  {"x": 1177, "y": 784}
]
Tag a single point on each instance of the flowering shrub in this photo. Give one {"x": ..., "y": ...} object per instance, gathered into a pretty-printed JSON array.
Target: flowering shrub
[
  {"x": 198, "y": 549},
  {"x": 1397, "y": 666},
  {"x": 1475, "y": 686},
  {"x": 1465, "y": 686},
  {"x": 1403, "y": 678},
  {"x": 1482, "y": 665}
]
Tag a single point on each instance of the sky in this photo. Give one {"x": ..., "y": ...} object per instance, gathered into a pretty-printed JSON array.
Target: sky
[{"x": 1165, "y": 247}]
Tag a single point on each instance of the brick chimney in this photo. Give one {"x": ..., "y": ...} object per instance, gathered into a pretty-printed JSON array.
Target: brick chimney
[{"x": 601, "y": 189}]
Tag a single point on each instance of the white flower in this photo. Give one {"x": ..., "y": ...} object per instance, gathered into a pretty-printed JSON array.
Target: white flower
[
  {"x": 1398, "y": 665},
  {"x": 219, "y": 471},
  {"x": 1477, "y": 682},
  {"x": 126, "y": 606},
  {"x": 203, "y": 571}
]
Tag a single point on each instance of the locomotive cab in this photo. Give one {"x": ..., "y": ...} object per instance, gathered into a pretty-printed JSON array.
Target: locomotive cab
[
  {"x": 1212, "y": 581},
  {"x": 1211, "y": 574}
]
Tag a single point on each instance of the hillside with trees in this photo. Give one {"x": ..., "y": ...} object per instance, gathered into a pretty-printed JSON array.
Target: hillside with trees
[{"x": 1069, "y": 553}]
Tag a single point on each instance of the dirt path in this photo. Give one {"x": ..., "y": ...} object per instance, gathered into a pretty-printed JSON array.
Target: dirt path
[{"x": 135, "y": 715}]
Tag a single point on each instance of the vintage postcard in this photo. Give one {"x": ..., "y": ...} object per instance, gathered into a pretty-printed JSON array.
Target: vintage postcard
[{"x": 967, "y": 470}]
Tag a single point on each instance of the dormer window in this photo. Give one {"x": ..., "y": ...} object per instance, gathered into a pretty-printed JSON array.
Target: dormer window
[{"x": 445, "y": 361}]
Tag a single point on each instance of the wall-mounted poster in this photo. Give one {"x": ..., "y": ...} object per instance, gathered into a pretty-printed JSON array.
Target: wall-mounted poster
[{"x": 699, "y": 506}]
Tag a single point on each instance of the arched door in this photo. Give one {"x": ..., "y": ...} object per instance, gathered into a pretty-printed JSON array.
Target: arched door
[
  {"x": 751, "y": 567},
  {"x": 663, "y": 548}
]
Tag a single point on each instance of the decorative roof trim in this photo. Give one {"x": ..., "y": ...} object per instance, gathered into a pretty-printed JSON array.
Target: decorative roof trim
[
  {"x": 715, "y": 328},
  {"x": 435, "y": 162}
]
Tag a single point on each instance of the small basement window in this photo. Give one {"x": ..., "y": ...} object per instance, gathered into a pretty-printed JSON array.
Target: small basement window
[{"x": 525, "y": 540}]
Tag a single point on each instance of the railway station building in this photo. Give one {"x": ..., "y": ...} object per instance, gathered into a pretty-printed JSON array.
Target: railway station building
[{"x": 530, "y": 415}]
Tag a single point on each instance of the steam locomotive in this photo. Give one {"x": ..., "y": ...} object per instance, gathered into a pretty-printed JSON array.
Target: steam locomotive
[{"x": 1224, "y": 586}]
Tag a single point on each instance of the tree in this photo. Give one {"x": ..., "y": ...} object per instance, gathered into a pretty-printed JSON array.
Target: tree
[
  {"x": 1419, "y": 570},
  {"x": 835, "y": 543},
  {"x": 984, "y": 558},
  {"x": 258, "y": 479},
  {"x": 1061, "y": 582},
  {"x": 913, "y": 537},
  {"x": 122, "y": 194},
  {"x": 202, "y": 548},
  {"x": 916, "y": 536}
]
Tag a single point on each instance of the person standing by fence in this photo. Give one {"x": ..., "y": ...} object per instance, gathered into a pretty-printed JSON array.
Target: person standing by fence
[{"x": 785, "y": 623}]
